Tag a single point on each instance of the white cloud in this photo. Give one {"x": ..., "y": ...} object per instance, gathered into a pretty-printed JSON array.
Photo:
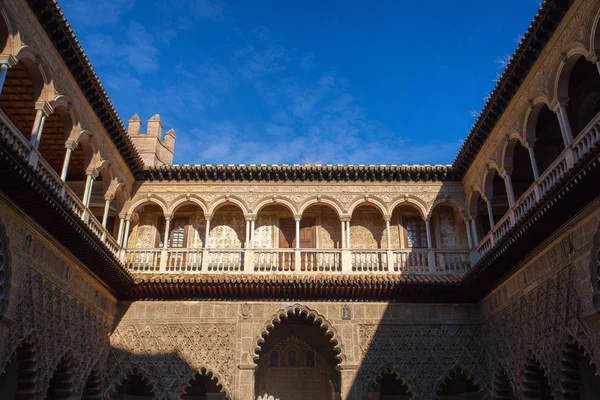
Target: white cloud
[{"x": 139, "y": 49}]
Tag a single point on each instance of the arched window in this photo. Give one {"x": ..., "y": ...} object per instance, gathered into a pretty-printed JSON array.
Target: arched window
[
  {"x": 292, "y": 358},
  {"x": 310, "y": 359},
  {"x": 274, "y": 359}
]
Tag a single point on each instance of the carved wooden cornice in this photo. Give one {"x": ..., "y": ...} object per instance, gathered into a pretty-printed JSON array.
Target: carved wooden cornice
[
  {"x": 61, "y": 35},
  {"x": 300, "y": 173}
]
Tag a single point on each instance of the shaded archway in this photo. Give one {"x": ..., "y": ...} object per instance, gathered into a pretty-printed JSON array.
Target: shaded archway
[
  {"x": 320, "y": 238},
  {"x": 584, "y": 94},
  {"x": 135, "y": 385},
  {"x": 457, "y": 385},
  {"x": 544, "y": 134},
  {"x": 203, "y": 386},
  {"x": 297, "y": 350},
  {"x": 275, "y": 238},
  {"x": 61, "y": 382},
  {"x": 448, "y": 227},
  {"x": 495, "y": 191},
  {"x": 92, "y": 390},
  {"x": 535, "y": 383},
  {"x": 479, "y": 212},
  {"x": 390, "y": 386},
  {"x": 144, "y": 238},
  {"x": 367, "y": 228},
  {"x": 502, "y": 387},
  {"x": 186, "y": 237},
  {"x": 22, "y": 88},
  {"x": 56, "y": 130},
  {"x": 579, "y": 377},
  {"x": 20, "y": 373},
  {"x": 517, "y": 164}
]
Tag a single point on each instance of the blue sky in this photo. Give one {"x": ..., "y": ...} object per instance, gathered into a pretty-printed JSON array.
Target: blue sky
[{"x": 336, "y": 82}]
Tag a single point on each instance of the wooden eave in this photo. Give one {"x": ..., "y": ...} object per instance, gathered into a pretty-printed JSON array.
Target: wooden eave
[
  {"x": 299, "y": 173},
  {"x": 63, "y": 38}
]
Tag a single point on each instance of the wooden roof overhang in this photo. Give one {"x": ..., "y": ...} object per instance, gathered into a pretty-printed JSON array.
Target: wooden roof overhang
[
  {"x": 300, "y": 173},
  {"x": 66, "y": 44},
  {"x": 540, "y": 30},
  {"x": 26, "y": 188},
  {"x": 414, "y": 288}
]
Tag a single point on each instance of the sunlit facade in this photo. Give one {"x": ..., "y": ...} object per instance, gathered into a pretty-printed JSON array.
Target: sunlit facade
[{"x": 123, "y": 276}]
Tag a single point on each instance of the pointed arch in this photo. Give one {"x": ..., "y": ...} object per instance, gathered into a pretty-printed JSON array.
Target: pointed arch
[
  {"x": 443, "y": 383},
  {"x": 391, "y": 370},
  {"x": 298, "y": 309},
  {"x": 92, "y": 387},
  {"x": 125, "y": 376},
  {"x": 60, "y": 384},
  {"x": 211, "y": 374}
]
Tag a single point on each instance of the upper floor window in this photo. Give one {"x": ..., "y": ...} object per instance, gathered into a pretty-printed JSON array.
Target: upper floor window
[
  {"x": 292, "y": 358},
  {"x": 274, "y": 359},
  {"x": 416, "y": 233}
]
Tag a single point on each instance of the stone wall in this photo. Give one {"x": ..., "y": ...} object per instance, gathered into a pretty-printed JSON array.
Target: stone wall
[{"x": 53, "y": 303}]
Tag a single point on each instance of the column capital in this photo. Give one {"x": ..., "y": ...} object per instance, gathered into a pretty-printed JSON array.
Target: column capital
[
  {"x": 557, "y": 103},
  {"x": 71, "y": 144},
  {"x": 93, "y": 172},
  {"x": 297, "y": 218},
  {"x": 250, "y": 217},
  {"x": 208, "y": 217},
  {"x": 44, "y": 107},
  {"x": 168, "y": 217},
  {"x": 345, "y": 218},
  {"x": 109, "y": 196},
  {"x": 123, "y": 215},
  {"x": 8, "y": 60},
  {"x": 507, "y": 170}
]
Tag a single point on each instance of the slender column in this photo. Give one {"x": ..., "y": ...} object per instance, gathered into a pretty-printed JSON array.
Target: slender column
[
  {"x": 348, "y": 242},
  {"x": 428, "y": 230},
  {"x": 247, "y": 242},
  {"x": 120, "y": 234},
  {"x": 297, "y": 232},
  {"x": 65, "y": 168},
  {"x": 107, "y": 201},
  {"x": 509, "y": 189},
  {"x": 565, "y": 127},
  {"x": 534, "y": 167},
  {"x": 126, "y": 233},
  {"x": 343, "y": 234},
  {"x": 207, "y": 233},
  {"x": 474, "y": 231},
  {"x": 89, "y": 184},
  {"x": 252, "y": 227},
  {"x": 3, "y": 72},
  {"x": 490, "y": 215},
  {"x": 389, "y": 233},
  {"x": 36, "y": 126},
  {"x": 598, "y": 64},
  {"x": 468, "y": 226},
  {"x": 167, "y": 229},
  {"x": 38, "y": 137}
]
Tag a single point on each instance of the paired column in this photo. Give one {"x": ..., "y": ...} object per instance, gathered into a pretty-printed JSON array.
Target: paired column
[
  {"x": 468, "y": 228},
  {"x": 534, "y": 167},
  {"x": 343, "y": 224},
  {"x": 509, "y": 187},
  {"x": 121, "y": 226},
  {"x": 164, "y": 254},
  {"x": 247, "y": 242},
  {"x": 297, "y": 232},
  {"x": 563, "y": 122},
  {"x": 91, "y": 174},
  {"x": 432, "y": 267},
  {"x": 388, "y": 233},
  {"x": 488, "y": 202},
  {"x": 474, "y": 231},
  {"x": 42, "y": 111},
  {"x": 125, "y": 237},
  {"x": 70, "y": 146}
]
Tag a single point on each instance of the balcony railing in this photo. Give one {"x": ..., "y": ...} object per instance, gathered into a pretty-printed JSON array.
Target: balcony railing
[
  {"x": 589, "y": 137},
  {"x": 294, "y": 261},
  {"x": 20, "y": 145}
]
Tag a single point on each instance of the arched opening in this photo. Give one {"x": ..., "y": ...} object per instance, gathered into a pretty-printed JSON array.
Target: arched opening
[
  {"x": 501, "y": 385},
  {"x": 203, "y": 386},
  {"x": 274, "y": 239},
  {"x": 79, "y": 161},
  {"x": 584, "y": 95},
  {"x": 535, "y": 384},
  {"x": 479, "y": 212},
  {"x": 5, "y": 38},
  {"x": 22, "y": 88},
  {"x": 61, "y": 383},
  {"x": 145, "y": 240},
  {"x": 495, "y": 191},
  {"x": 449, "y": 232},
  {"x": 226, "y": 238},
  {"x": 320, "y": 233},
  {"x": 408, "y": 237},
  {"x": 20, "y": 374},
  {"x": 457, "y": 386},
  {"x": 134, "y": 387},
  {"x": 390, "y": 386},
  {"x": 579, "y": 375},
  {"x": 517, "y": 164},
  {"x": 549, "y": 142},
  {"x": 297, "y": 361},
  {"x": 92, "y": 390},
  {"x": 367, "y": 228},
  {"x": 57, "y": 129},
  {"x": 187, "y": 231}
]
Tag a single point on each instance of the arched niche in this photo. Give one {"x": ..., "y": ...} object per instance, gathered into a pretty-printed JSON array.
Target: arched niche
[
  {"x": 203, "y": 386},
  {"x": 534, "y": 383},
  {"x": 133, "y": 386},
  {"x": 367, "y": 228}
]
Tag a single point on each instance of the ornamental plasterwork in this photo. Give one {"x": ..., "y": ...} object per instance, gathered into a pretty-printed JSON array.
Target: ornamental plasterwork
[
  {"x": 30, "y": 34},
  {"x": 542, "y": 83}
]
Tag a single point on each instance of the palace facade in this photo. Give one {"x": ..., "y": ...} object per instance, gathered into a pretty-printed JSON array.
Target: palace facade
[{"x": 123, "y": 276}]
